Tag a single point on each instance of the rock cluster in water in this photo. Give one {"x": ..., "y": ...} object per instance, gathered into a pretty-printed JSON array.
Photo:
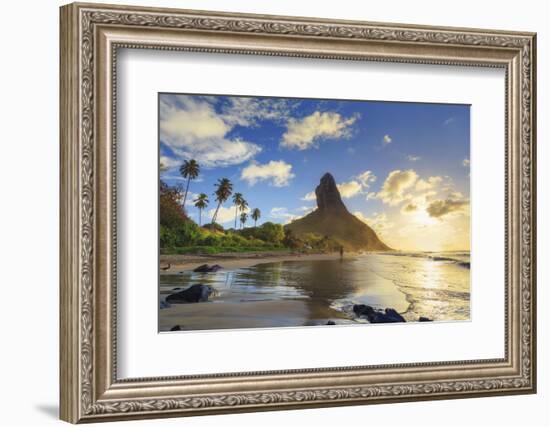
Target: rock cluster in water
[
  {"x": 206, "y": 268},
  {"x": 389, "y": 315},
  {"x": 195, "y": 293}
]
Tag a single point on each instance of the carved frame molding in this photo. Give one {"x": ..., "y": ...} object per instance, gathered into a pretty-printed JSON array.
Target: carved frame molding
[{"x": 90, "y": 37}]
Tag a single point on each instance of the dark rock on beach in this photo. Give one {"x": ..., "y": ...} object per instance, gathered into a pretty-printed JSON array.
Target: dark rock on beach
[
  {"x": 389, "y": 315},
  {"x": 331, "y": 322},
  {"x": 362, "y": 309},
  {"x": 196, "y": 293},
  {"x": 175, "y": 328},
  {"x": 392, "y": 316},
  {"x": 205, "y": 268},
  {"x": 424, "y": 319}
]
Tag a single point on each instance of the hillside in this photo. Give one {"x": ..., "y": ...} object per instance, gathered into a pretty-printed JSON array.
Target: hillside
[{"x": 332, "y": 219}]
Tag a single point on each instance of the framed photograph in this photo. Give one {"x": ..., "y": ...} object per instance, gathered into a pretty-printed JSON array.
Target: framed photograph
[{"x": 266, "y": 212}]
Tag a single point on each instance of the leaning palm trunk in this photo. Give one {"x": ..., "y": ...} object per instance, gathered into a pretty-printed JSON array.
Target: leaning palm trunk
[
  {"x": 216, "y": 212},
  {"x": 186, "y": 190}
]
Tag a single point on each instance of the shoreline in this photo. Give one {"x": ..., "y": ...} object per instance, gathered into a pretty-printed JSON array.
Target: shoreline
[
  {"x": 231, "y": 261},
  {"x": 236, "y": 315},
  {"x": 325, "y": 301}
]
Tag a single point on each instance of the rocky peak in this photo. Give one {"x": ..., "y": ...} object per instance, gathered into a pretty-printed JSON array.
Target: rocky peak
[
  {"x": 328, "y": 196},
  {"x": 332, "y": 219}
]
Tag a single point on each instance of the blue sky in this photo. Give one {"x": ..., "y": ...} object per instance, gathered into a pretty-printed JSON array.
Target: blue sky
[{"x": 403, "y": 168}]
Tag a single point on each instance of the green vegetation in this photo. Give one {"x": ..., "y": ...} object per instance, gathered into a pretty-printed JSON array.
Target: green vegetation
[
  {"x": 190, "y": 170},
  {"x": 243, "y": 219},
  {"x": 240, "y": 205},
  {"x": 224, "y": 188},
  {"x": 201, "y": 202},
  {"x": 179, "y": 234},
  {"x": 188, "y": 237},
  {"x": 256, "y": 214}
]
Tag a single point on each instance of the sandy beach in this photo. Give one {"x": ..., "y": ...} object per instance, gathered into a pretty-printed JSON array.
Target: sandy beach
[
  {"x": 231, "y": 261},
  {"x": 266, "y": 290},
  {"x": 237, "y": 315}
]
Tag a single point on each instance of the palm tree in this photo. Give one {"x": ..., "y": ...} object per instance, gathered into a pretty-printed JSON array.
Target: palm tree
[
  {"x": 237, "y": 200},
  {"x": 190, "y": 170},
  {"x": 224, "y": 188},
  {"x": 256, "y": 214},
  {"x": 243, "y": 206},
  {"x": 201, "y": 202},
  {"x": 244, "y": 217}
]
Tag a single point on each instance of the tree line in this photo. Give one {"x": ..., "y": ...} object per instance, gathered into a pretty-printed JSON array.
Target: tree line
[{"x": 190, "y": 170}]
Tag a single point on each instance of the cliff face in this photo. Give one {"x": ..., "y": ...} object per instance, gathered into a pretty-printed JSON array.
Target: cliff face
[
  {"x": 328, "y": 196},
  {"x": 332, "y": 219}
]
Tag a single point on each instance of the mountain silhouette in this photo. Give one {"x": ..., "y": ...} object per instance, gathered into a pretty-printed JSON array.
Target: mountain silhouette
[{"x": 332, "y": 219}]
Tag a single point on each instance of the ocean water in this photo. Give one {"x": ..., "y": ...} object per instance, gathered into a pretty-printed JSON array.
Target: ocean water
[
  {"x": 434, "y": 285},
  {"x": 310, "y": 292}
]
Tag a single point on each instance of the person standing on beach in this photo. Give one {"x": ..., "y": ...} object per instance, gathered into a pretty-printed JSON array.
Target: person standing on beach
[{"x": 341, "y": 252}]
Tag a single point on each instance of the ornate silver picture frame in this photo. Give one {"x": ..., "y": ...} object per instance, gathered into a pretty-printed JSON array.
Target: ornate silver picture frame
[{"x": 91, "y": 35}]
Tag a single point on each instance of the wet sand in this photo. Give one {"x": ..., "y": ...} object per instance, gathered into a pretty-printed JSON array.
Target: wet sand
[
  {"x": 256, "y": 314},
  {"x": 237, "y": 315},
  {"x": 231, "y": 261},
  {"x": 236, "y": 311},
  {"x": 283, "y": 289}
]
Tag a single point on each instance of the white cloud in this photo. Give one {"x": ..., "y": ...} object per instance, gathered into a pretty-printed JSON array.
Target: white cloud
[
  {"x": 448, "y": 121},
  {"x": 409, "y": 208},
  {"x": 377, "y": 221},
  {"x": 387, "y": 139},
  {"x": 193, "y": 129},
  {"x": 466, "y": 163},
  {"x": 279, "y": 173},
  {"x": 196, "y": 120},
  {"x": 278, "y": 212},
  {"x": 283, "y": 214},
  {"x": 395, "y": 186},
  {"x": 190, "y": 198},
  {"x": 310, "y": 197},
  {"x": 412, "y": 158},
  {"x": 418, "y": 203},
  {"x": 286, "y": 216},
  {"x": 304, "y": 133},
  {"x": 456, "y": 195},
  {"x": 247, "y": 111},
  {"x": 442, "y": 207},
  {"x": 366, "y": 178},
  {"x": 168, "y": 162},
  {"x": 225, "y": 214},
  {"x": 349, "y": 189},
  {"x": 427, "y": 184},
  {"x": 166, "y": 176}
]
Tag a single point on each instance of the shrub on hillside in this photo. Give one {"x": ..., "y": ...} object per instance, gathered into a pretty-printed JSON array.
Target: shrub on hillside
[
  {"x": 213, "y": 227},
  {"x": 172, "y": 213},
  {"x": 271, "y": 232}
]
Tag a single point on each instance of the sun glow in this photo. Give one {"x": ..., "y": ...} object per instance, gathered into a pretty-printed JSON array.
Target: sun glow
[{"x": 422, "y": 217}]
